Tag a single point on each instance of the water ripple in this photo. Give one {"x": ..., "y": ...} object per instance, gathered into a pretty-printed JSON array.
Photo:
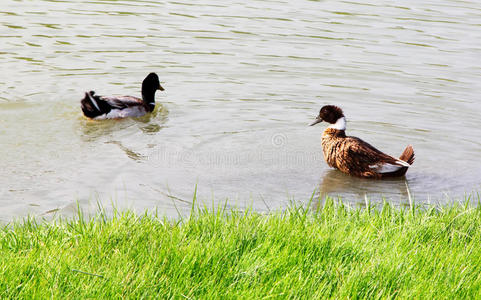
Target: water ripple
[{"x": 236, "y": 75}]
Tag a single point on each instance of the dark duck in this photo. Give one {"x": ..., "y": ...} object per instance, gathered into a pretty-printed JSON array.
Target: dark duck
[
  {"x": 115, "y": 107},
  {"x": 354, "y": 156}
]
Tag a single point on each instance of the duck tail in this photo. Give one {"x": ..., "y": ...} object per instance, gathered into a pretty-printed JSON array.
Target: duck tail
[
  {"x": 408, "y": 155},
  {"x": 89, "y": 105}
]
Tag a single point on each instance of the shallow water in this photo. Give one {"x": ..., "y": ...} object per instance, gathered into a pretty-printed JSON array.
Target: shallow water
[{"x": 242, "y": 80}]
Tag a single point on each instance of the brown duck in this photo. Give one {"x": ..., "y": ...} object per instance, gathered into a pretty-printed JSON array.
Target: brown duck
[{"x": 354, "y": 156}]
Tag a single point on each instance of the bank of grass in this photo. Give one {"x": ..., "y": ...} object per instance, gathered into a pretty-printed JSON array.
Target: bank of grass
[{"x": 335, "y": 252}]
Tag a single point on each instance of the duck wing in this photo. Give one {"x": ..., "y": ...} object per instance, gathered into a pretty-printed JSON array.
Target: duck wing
[
  {"x": 120, "y": 102},
  {"x": 362, "y": 157},
  {"x": 95, "y": 106}
]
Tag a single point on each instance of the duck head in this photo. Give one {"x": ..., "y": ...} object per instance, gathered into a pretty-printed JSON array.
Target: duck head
[
  {"x": 149, "y": 86},
  {"x": 331, "y": 114},
  {"x": 151, "y": 83}
]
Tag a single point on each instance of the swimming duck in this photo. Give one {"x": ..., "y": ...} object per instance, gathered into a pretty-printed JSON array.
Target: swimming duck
[
  {"x": 354, "y": 156},
  {"x": 115, "y": 107}
]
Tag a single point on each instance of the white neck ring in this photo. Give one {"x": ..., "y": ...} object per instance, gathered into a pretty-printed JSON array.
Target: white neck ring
[{"x": 339, "y": 125}]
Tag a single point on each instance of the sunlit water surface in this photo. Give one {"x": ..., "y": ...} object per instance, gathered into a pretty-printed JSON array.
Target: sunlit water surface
[{"x": 243, "y": 79}]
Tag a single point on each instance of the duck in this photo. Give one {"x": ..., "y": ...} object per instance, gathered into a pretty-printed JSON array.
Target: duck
[
  {"x": 116, "y": 107},
  {"x": 353, "y": 156}
]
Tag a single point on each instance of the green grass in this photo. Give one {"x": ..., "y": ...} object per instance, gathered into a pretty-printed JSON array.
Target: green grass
[{"x": 335, "y": 252}]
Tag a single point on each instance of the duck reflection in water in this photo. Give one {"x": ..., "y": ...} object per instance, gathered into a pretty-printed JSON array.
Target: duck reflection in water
[
  {"x": 149, "y": 124},
  {"x": 355, "y": 190}
]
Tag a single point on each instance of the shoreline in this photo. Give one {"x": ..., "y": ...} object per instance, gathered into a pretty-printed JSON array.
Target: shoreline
[{"x": 335, "y": 251}]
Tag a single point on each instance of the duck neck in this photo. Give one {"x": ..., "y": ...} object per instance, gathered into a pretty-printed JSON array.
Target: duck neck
[
  {"x": 339, "y": 125},
  {"x": 149, "y": 98}
]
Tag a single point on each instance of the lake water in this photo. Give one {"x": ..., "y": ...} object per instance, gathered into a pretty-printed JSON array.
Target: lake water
[{"x": 243, "y": 79}]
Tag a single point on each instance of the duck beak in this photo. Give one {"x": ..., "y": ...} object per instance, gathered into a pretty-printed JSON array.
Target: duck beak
[
  {"x": 160, "y": 88},
  {"x": 318, "y": 120}
]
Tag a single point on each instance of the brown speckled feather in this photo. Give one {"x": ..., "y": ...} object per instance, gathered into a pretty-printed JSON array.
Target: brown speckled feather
[{"x": 353, "y": 156}]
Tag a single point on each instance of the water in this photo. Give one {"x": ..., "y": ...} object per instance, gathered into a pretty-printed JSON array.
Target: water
[{"x": 243, "y": 80}]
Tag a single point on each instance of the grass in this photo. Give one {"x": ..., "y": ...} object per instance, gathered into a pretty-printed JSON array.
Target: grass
[{"x": 334, "y": 252}]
